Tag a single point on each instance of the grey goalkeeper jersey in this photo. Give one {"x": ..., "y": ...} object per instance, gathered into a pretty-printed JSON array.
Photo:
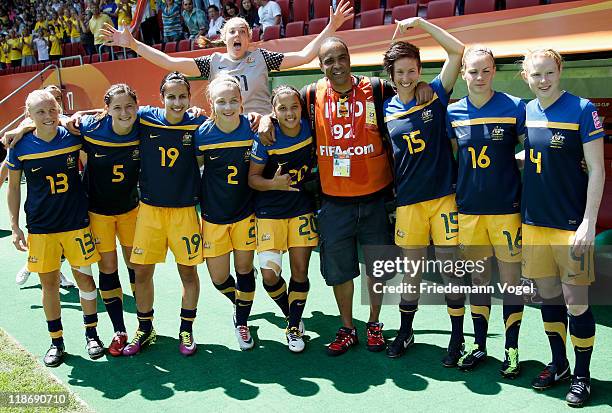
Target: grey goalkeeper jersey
[{"x": 252, "y": 74}]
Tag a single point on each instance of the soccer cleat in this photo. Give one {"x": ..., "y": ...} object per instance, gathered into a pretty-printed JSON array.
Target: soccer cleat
[
  {"x": 580, "y": 391},
  {"x": 22, "y": 276},
  {"x": 550, "y": 376},
  {"x": 295, "y": 340},
  {"x": 376, "y": 341},
  {"x": 95, "y": 347},
  {"x": 471, "y": 358},
  {"x": 453, "y": 354},
  {"x": 400, "y": 345},
  {"x": 55, "y": 355},
  {"x": 141, "y": 340},
  {"x": 187, "y": 345},
  {"x": 511, "y": 367},
  {"x": 245, "y": 341},
  {"x": 345, "y": 339},
  {"x": 300, "y": 326},
  {"x": 117, "y": 344},
  {"x": 65, "y": 282}
]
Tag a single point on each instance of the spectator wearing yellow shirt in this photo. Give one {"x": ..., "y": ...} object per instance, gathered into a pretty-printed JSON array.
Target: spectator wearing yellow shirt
[
  {"x": 27, "y": 52},
  {"x": 40, "y": 24},
  {"x": 96, "y": 23},
  {"x": 3, "y": 47},
  {"x": 15, "y": 46},
  {"x": 76, "y": 31},
  {"x": 56, "y": 45},
  {"x": 124, "y": 14}
]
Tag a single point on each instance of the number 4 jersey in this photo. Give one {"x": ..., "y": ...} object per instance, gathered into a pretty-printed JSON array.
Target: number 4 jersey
[{"x": 56, "y": 201}]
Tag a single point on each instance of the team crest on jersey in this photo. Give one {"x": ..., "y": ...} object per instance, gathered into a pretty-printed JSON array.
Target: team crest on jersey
[
  {"x": 557, "y": 140},
  {"x": 32, "y": 259},
  {"x": 400, "y": 233},
  {"x": 138, "y": 251},
  {"x": 187, "y": 139},
  {"x": 497, "y": 133},
  {"x": 266, "y": 237},
  {"x": 247, "y": 155},
  {"x": 136, "y": 155},
  {"x": 207, "y": 245},
  {"x": 71, "y": 161},
  {"x": 427, "y": 115}
]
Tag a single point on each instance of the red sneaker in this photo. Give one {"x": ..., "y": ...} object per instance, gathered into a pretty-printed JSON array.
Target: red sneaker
[
  {"x": 117, "y": 344},
  {"x": 376, "y": 341},
  {"x": 345, "y": 339}
]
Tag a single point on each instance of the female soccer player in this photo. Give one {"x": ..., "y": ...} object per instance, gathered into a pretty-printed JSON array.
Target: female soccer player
[
  {"x": 424, "y": 171},
  {"x": 56, "y": 217},
  {"x": 228, "y": 222},
  {"x": 560, "y": 203},
  {"x": 169, "y": 178},
  {"x": 285, "y": 213},
  {"x": 486, "y": 126},
  {"x": 250, "y": 68}
]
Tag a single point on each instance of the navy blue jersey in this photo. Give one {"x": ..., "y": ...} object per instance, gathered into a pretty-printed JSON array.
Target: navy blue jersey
[
  {"x": 169, "y": 173},
  {"x": 488, "y": 181},
  {"x": 555, "y": 183},
  {"x": 422, "y": 154},
  {"x": 225, "y": 193},
  {"x": 113, "y": 163},
  {"x": 295, "y": 156},
  {"x": 56, "y": 201}
]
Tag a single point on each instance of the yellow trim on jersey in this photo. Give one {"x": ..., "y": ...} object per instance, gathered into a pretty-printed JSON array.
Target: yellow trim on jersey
[
  {"x": 111, "y": 144},
  {"x": 556, "y": 125},
  {"x": 482, "y": 121},
  {"x": 179, "y": 127},
  {"x": 411, "y": 110},
  {"x": 10, "y": 164},
  {"x": 291, "y": 148},
  {"x": 235, "y": 144},
  {"x": 256, "y": 157},
  {"x": 50, "y": 153},
  {"x": 595, "y": 132}
]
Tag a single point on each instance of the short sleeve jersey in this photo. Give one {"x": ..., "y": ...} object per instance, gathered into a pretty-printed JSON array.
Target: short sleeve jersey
[
  {"x": 423, "y": 159},
  {"x": 56, "y": 201},
  {"x": 113, "y": 163},
  {"x": 554, "y": 183},
  {"x": 296, "y": 157},
  {"x": 251, "y": 72},
  {"x": 488, "y": 181},
  {"x": 169, "y": 173},
  {"x": 225, "y": 193}
]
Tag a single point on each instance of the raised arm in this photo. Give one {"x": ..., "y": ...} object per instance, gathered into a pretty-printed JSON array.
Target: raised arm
[
  {"x": 343, "y": 12},
  {"x": 453, "y": 47},
  {"x": 124, "y": 38}
]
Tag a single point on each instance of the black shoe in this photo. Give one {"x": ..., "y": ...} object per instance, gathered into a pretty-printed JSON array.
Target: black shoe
[
  {"x": 472, "y": 358},
  {"x": 550, "y": 376},
  {"x": 55, "y": 355},
  {"x": 400, "y": 345},
  {"x": 580, "y": 391},
  {"x": 511, "y": 367},
  {"x": 453, "y": 354},
  {"x": 95, "y": 348}
]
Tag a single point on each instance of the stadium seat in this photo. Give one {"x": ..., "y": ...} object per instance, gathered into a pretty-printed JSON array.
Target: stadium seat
[
  {"x": 158, "y": 46},
  {"x": 423, "y": 3},
  {"x": 272, "y": 32},
  {"x": 170, "y": 47},
  {"x": 440, "y": 8},
  {"x": 105, "y": 57},
  {"x": 95, "y": 58},
  {"x": 372, "y": 18},
  {"x": 66, "y": 49},
  {"x": 294, "y": 29},
  {"x": 184, "y": 45},
  {"x": 301, "y": 10},
  {"x": 256, "y": 31},
  {"x": 348, "y": 25},
  {"x": 515, "y": 4},
  {"x": 479, "y": 6},
  {"x": 404, "y": 12},
  {"x": 284, "y": 6},
  {"x": 321, "y": 8},
  {"x": 316, "y": 26},
  {"x": 559, "y": 1},
  {"x": 86, "y": 60},
  {"x": 369, "y": 5},
  {"x": 391, "y": 4}
]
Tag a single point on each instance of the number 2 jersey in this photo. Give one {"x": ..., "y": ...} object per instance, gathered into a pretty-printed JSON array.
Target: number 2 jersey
[
  {"x": 56, "y": 201},
  {"x": 422, "y": 154},
  {"x": 225, "y": 193},
  {"x": 296, "y": 157},
  {"x": 169, "y": 173},
  {"x": 489, "y": 181},
  {"x": 113, "y": 163},
  {"x": 554, "y": 182}
]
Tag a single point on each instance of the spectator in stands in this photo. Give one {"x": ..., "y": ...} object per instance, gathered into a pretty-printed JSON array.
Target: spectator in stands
[
  {"x": 195, "y": 19},
  {"x": 76, "y": 4},
  {"x": 55, "y": 49},
  {"x": 27, "y": 52},
  {"x": 248, "y": 12},
  {"x": 15, "y": 46},
  {"x": 109, "y": 7},
  {"x": 269, "y": 13},
  {"x": 95, "y": 25},
  {"x": 124, "y": 14},
  {"x": 77, "y": 27},
  {"x": 4, "y": 52},
  {"x": 149, "y": 23},
  {"x": 171, "y": 19},
  {"x": 40, "y": 24},
  {"x": 231, "y": 10},
  {"x": 42, "y": 47},
  {"x": 215, "y": 22}
]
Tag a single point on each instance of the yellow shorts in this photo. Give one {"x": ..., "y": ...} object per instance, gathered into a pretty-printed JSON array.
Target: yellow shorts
[
  {"x": 547, "y": 252},
  {"x": 158, "y": 228},
  {"x": 477, "y": 233},
  {"x": 108, "y": 227},
  {"x": 282, "y": 234},
  {"x": 219, "y": 239},
  {"x": 45, "y": 250},
  {"x": 435, "y": 219}
]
